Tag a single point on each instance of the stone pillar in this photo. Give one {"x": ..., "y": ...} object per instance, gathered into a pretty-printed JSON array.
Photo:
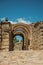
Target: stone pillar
[
  {"x": 0, "y": 35},
  {"x": 25, "y": 43},
  {"x": 10, "y": 42}
]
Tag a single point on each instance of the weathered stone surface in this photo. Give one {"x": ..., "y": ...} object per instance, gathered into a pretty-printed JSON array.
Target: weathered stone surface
[
  {"x": 30, "y": 57},
  {"x": 32, "y": 35}
]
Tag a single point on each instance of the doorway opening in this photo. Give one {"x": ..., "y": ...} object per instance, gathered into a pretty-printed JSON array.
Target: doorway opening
[{"x": 18, "y": 42}]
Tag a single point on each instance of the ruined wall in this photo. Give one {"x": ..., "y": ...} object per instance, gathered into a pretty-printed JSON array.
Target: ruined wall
[
  {"x": 35, "y": 34},
  {"x": 0, "y": 35},
  {"x": 4, "y": 35}
]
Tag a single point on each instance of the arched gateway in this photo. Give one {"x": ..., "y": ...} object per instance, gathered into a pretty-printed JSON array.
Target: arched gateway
[
  {"x": 22, "y": 30},
  {"x": 31, "y": 33}
]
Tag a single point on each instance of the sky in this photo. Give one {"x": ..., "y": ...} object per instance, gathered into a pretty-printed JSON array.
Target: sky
[{"x": 26, "y": 11}]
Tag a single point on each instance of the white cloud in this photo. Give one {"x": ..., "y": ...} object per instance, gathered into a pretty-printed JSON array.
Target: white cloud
[
  {"x": 13, "y": 22},
  {"x": 18, "y": 20},
  {"x": 21, "y": 20},
  {"x": 2, "y": 18}
]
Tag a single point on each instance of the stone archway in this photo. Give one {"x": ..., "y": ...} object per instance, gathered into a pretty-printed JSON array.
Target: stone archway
[
  {"x": 19, "y": 46},
  {"x": 19, "y": 29}
]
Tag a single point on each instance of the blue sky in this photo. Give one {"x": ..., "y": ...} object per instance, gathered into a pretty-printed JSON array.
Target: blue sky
[
  {"x": 25, "y": 10},
  {"x": 19, "y": 38}
]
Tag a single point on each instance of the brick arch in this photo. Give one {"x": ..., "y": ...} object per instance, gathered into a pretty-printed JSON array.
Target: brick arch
[
  {"x": 21, "y": 25},
  {"x": 23, "y": 36},
  {"x": 24, "y": 33}
]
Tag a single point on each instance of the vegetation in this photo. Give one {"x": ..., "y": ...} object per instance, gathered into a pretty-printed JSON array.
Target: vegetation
[
  {"x": 21, "y": 40},
  {"x": 15, "y": 40},
  {"x": 6, "y": 19}
]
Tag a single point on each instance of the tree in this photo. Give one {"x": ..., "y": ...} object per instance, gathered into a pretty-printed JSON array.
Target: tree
[
  {"x": 15, "y": 40},
  {"x": 21, "y": 40},
  {"x": 6, "y": 19}
]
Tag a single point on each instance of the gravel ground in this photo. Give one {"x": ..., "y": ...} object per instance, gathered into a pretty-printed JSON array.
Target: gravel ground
[{"x": 30, "y": 57}]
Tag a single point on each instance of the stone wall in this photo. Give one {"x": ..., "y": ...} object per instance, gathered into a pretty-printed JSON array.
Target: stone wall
[
  {"x": 35, "y": 35},
  {"x": 4, "y": 36},
  {"x": 37, "y": 41}
]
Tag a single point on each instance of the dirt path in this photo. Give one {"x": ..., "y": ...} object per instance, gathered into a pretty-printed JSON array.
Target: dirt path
[{"x": 29, "y": 57}]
